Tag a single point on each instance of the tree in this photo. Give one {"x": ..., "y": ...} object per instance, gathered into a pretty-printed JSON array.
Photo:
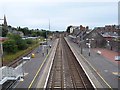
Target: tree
[
  {"x": 25, "y": 30},
  {"x": 43, "y": 33},
  {"x": 21, "y": 44},
  {"x": 13, "y": 36},
  {"x": 10, "y": 46},
  {"x": 29, "y": 41}
]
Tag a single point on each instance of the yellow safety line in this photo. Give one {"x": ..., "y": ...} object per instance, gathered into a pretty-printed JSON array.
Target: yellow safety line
[
  {"x": 38, "y": 71},
  {"x": 97, "y": 72}
]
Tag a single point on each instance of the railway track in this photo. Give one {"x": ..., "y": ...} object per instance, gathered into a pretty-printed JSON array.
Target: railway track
[
  {"x": 66, "y": 71},
  {"x": 57, "y": 70}
]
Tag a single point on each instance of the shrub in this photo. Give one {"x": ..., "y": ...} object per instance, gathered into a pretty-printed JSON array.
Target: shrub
[
  {"x": 10, "y": 46},
  {"x": 29, "y": 41},
  {"x": 21, "y": 44}
]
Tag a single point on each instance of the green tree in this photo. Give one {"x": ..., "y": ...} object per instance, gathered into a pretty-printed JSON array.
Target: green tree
[
  {"x": 10, "y": 46},
  {"x": 43, "y": 33},
  {"x": 29, "y": 41},
  {"x": 14, "y": 36},
  {"x": 18, "y": 41},
  {"x": 21, "y": 44}
]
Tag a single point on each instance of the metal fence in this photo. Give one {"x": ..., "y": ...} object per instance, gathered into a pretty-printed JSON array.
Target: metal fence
[{"x": 10, "y": 73}]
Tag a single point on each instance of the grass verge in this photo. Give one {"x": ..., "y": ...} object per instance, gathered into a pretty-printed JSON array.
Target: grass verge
[{"x": 11, "y": 57}]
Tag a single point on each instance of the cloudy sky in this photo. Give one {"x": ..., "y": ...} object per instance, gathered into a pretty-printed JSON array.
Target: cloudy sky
[{"x": 61, "y": 13}]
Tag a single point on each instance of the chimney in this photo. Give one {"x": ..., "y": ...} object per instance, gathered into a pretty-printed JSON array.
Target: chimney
[{"x": 81, "y": 27}]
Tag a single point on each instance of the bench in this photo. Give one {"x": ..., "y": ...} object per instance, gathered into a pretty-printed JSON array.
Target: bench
[{"x": 99, "y": 52}]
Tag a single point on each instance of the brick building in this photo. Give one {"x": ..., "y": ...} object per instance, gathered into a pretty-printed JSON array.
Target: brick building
[{"x": 111, "y": 35}]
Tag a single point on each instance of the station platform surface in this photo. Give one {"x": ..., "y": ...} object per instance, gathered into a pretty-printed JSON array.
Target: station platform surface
[
  {"x": 32, "y": 68},
  {"x": 43, "y": 78},
  {"x": 98, "y": 69},
  {"x": 110, "y": 55}
]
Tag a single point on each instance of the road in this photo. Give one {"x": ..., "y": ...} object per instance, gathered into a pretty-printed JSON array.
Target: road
[
  {"x": 31, "y": 68},
  {"x": 103, "y": 66}
]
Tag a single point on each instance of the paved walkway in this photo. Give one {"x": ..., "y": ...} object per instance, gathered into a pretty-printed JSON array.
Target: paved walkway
[
  {"x": 106, "y": 68},
  {"x": 45, "y": 72},
  {"x": 110, "y": 55},
  {"x": 32, "y": 69}
]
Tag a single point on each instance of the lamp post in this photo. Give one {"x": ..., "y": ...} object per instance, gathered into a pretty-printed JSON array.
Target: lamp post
[
  {"x": 89, "y": 44},
  {"x": 22, "y": 68},
  {"x": 81, "y": 48},
  {"x": 108, "y": 44},
  {"x": 46, "y": 37},
  {"x": 81, "y": 45},
  {"x": 38, "y": 46}
]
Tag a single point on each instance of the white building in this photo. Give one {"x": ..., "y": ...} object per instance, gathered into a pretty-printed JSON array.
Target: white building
[{"x": 73, "y": 28}]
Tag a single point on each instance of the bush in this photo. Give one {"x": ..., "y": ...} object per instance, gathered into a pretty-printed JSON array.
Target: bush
[
  {"x": 29, "y": 41},
  {"x": 10, "y": 46},
  {"x": 21, "y": 44}
]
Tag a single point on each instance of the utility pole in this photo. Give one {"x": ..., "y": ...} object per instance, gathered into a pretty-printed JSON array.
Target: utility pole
[
  {"x": 46, "y": 31},
  {"x": 1, "y": 49},
  {"x": 1, "y": 46},
  {"x": 89, "y": 44}
]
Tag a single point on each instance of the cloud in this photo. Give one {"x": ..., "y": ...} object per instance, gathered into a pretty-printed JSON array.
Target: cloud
[
  {"x": 53, "y": 1},
  {"x": 36, "y": 13}
]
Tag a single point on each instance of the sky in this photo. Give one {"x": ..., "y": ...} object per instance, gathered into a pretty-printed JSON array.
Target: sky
[{"x": 36, "y": 14}]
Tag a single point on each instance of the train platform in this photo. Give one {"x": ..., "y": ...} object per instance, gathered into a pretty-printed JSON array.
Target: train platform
[
  {"x": 85, "y": 66},
  {"x": 33, "y": 68},
  {"x": 43, "y": 78},
  {"x": 108, "y": 54},
  {"x": 96, "y": 67}
]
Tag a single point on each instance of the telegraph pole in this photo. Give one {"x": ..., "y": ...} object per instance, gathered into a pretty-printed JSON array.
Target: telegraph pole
[
  {"x": 1, "y": 46},
  {"x": 48, "y": 29}
]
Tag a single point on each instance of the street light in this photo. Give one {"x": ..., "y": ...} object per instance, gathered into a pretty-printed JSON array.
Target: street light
[
  {"x": 81, "y": 48},
  {"x": 89, "y": 44},
  {"x": 46, "y": 37},
  {"x": 81, "y": 45},
  {"x": 108, "y": 44}
]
